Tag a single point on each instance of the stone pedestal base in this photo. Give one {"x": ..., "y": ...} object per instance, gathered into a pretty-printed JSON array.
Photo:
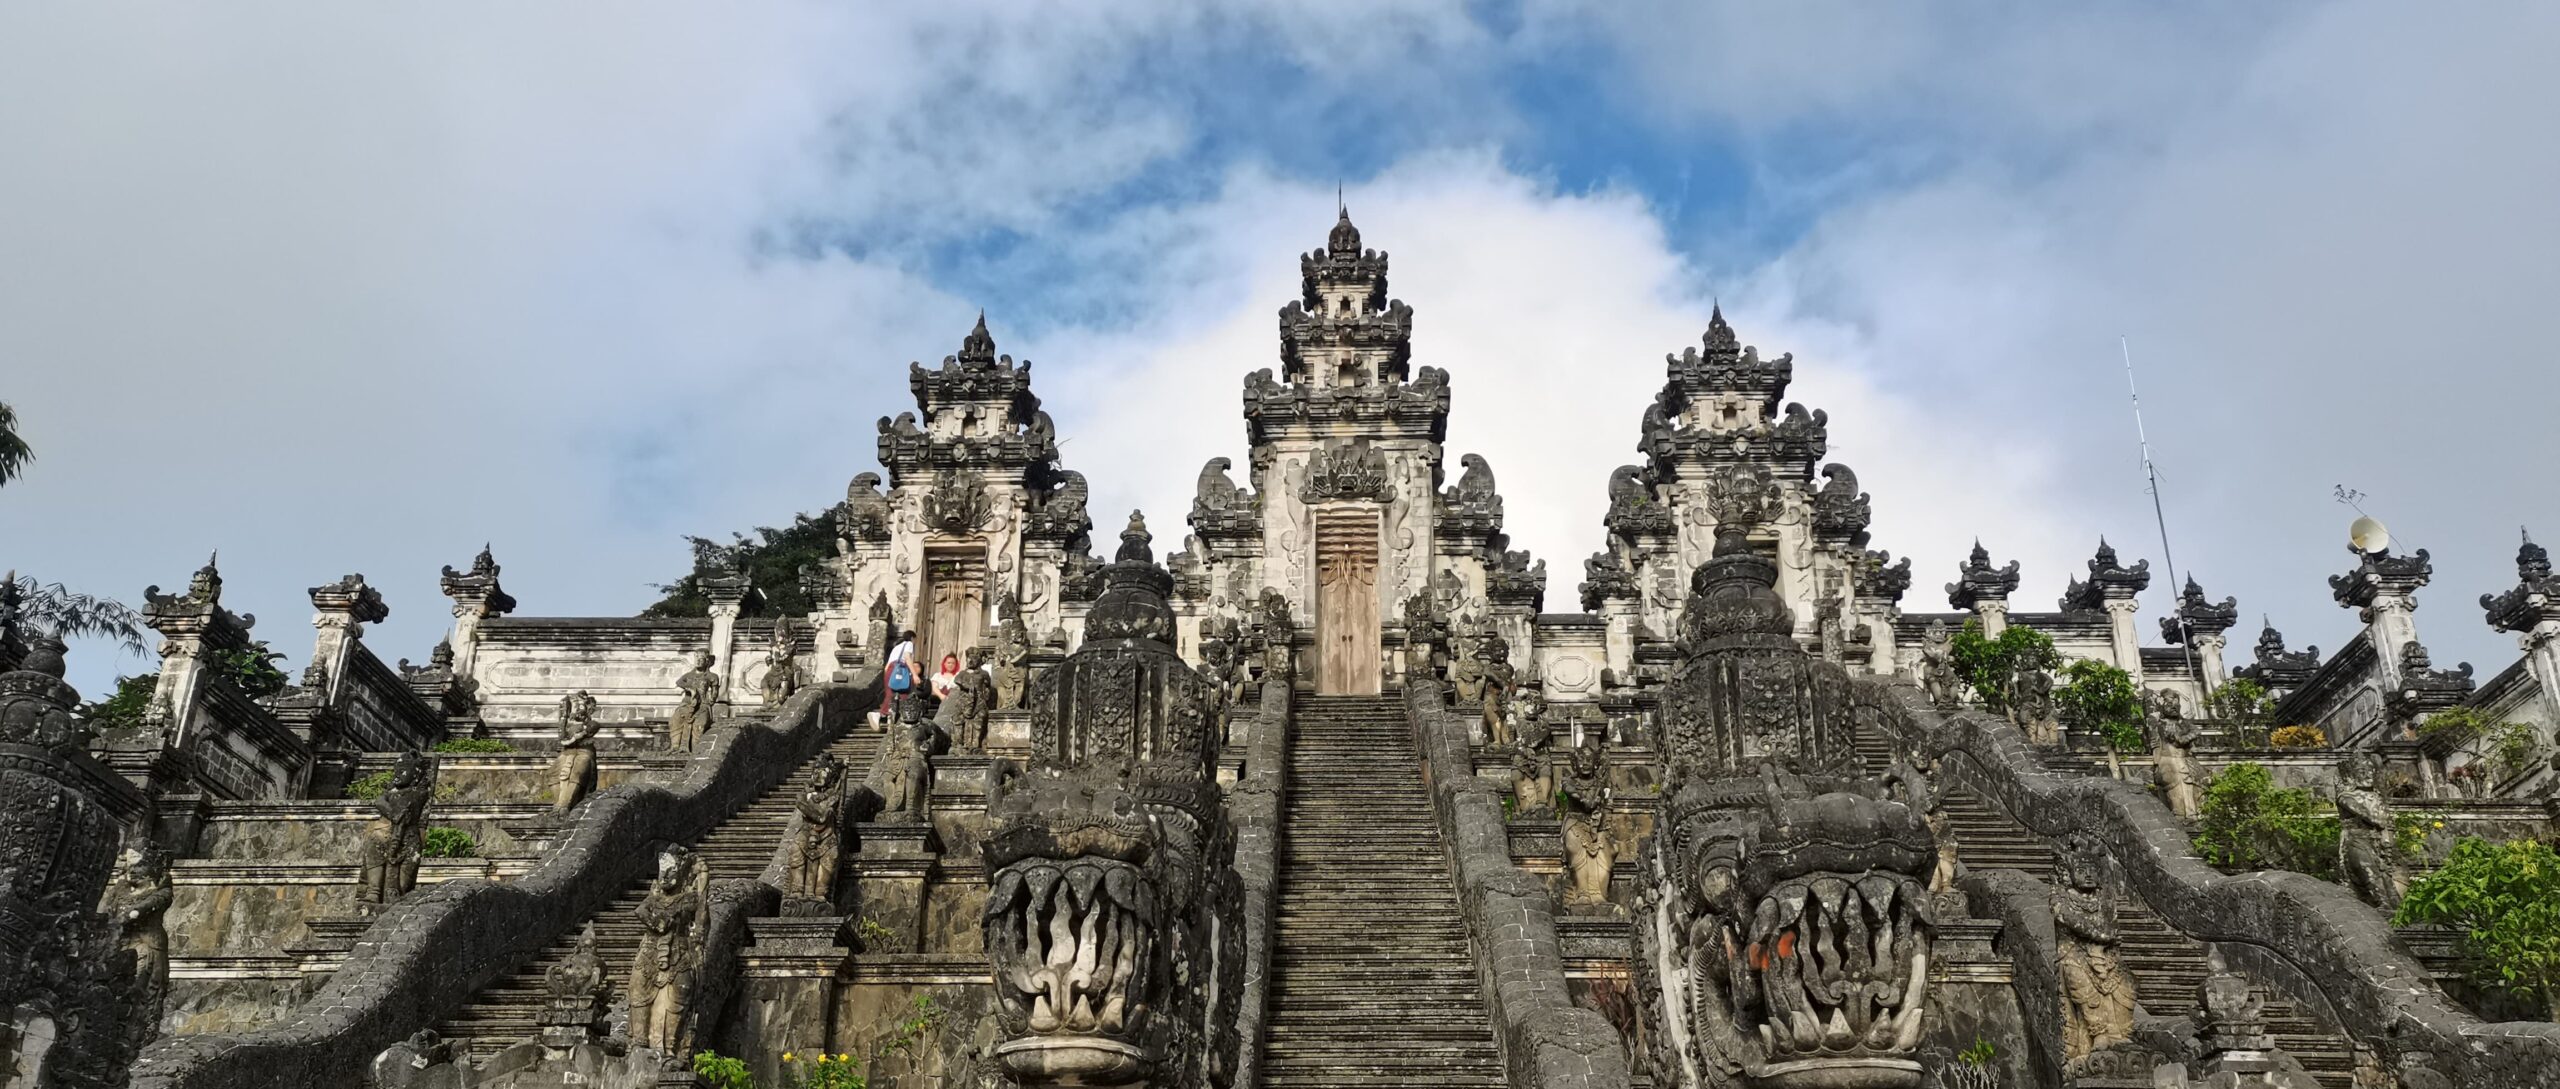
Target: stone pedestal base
[
  {"x": 787, "y": 994},
  {"x": 1009, "y": 732},
  {"x": 891, "y": 864}
]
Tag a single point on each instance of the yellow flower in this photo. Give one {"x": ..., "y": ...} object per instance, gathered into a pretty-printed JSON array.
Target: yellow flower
[{"x": 788, "y": 1057}]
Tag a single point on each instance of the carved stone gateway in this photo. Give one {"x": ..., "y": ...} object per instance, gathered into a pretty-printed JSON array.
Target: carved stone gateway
[
  {"x": 1112, "y": 909},
  {"x": 1784, "y": 921}
]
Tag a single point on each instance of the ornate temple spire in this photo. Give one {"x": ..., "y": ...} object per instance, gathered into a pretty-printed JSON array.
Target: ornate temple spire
[
  {"x": 2199, "y": 616},
  {"x": 2535, "y": 600},
  {"x": 2109, "y": 580},
  {"x": 1978, "y": 582},
  {"x": 979, "y": 347}
]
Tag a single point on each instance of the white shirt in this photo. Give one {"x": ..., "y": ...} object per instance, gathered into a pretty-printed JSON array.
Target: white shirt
[{"x": 905, "y": 651}]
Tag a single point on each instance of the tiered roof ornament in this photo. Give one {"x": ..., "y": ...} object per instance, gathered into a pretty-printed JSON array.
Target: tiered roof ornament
[
  {"x": 1735, "y": 397},
  {"x": 978, "y": 414},
  {"x": 1605, "y": 578},
  {"x": 1471, "y": 509},
  {"x": 2535, "y": 600},
  {"x": 2109, "y": 580},
  {"x": 1877, "y": 576},
  {"x": 2378, "y": 576},
  {"x": 2277, "y": 668},
  {"x": 1977, "y": 581},
  {"x": 2198, "y": 615},
  {"x": 478, "y": 587},
  {"x": 2424, "y": 688},
  {"x": 1345, "y": 352},
  {"x": 1220, "y": 511},
  {"x": 197, "y": 610}
]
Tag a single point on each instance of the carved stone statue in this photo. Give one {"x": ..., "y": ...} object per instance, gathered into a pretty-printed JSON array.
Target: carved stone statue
[
  {"x": 903, "y": 775},
  {"x": 574, "y": 772},
  {"x": 1938, "y": 666},
  {"x": 1483, "y": 680},
  {"x": 2031, "y": 706},
  {"x": 672, "y": 929},
  {"x": 2367, "y": 860},
  {"x": 1582, "y": 802},
  {"x": 2173, "y": 753},
  {"x": 817, "y": 848},
  {"x": 963, "y": 714},
  {"x": 1916, "y": 787},
  {"x": 782, "y": 666},
  {"x": 1533, "y": 786},
  {"x": 695, "y": 708},
  {"x": 134, "y": 905},
  {"x": 1013, "y": 663},
  {"x": 1277, "y": 631},
  {"x": 392, "y": 842},
  {"x": 1526, "y": 704},
  {"x": 576, "y": 993},
  {"x": 2097, "y": 994}
]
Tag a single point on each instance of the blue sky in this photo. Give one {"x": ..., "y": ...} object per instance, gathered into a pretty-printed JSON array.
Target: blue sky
[{"x": 355, "y": 290}]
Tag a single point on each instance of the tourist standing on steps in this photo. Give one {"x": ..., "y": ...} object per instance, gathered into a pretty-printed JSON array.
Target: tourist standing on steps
[{"x": 898, "y": 674}]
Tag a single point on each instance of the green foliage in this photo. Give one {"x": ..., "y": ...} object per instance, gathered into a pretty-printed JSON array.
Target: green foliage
[
  {"x": 474, "y": 744},
  {"x": 876, "y": 935},
  {"x": 722, "y": 1072},
  {"x": 251, "y": 670},
  {"x": 910, "y": 1034},
  {"x": 2298, "y": 737},
  {"x": 820, "y": 1070},
  {"x": 2102, "y": 699},
  {"x": 2457, "y": 721},
  {"x": 1989, "y": 664},
  {"x": 2409, "y": 832},
  {"x": 2512, "y": 747},
  {"x": 772, "y": 559},
  {"x": 443, "y": 842},
  {"x": 370, "y": 787},
  {"x": 1508, "y": 805},
  {"x": 2504, "y": 901},
  {"x": 2249, "y": 823},
  {"x": 55, "y": 608},
  {"x": 124, "y": 710},
  {"x": 1980, "y": 1053},
  {"x": 2245, "y": 706},
  {"x": 14, "y": 451}
]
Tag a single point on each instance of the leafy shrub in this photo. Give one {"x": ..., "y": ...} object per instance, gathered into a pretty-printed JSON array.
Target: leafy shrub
[
  {"x": 819, "y": 1070},
  {"x": 722, "y": 1072},
  {"x": 2298, "y": 737},
  {"x": 370, "y": 787},
  {"x": 124, "y": 710},
  {"x": 252, "y": 670},
  {"x": 1988, "y": 664},
  {"x": 2503, "y": 899},
  {"x": 2102, "y": 699},
  {"x": 2241, "y": 702},
  {"x": 2249, "y": 823},
  {"x": 1981, "y": 1052},
  {"x": 910, "y": 1035},
  {"x": 474, "y": 744},
  {"x": 2513, "y": 747},
  {"x": 443, "y": 842},
  {"x": 2409, "y": 832}
]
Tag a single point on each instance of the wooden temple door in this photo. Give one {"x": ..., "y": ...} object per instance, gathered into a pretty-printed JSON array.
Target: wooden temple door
[
  {"x": 955, "y": 612},
  {"x": 1348, "y": 651}
]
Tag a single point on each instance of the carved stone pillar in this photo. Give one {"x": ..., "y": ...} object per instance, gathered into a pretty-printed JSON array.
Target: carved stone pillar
[
  {"x": 476, "y": 597},
  {"x": 341, "y": 610},
  {"x": 2382, "y": 588},
  {"x": 1876, "y": 584},
  {"x": 2200, "y": 623},
  {"x": 728, "y": 592},
  {"x": 2127, "y": 646}
]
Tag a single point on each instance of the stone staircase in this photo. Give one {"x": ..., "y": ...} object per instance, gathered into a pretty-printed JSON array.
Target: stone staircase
[
  {"x": 2167, "y": 966},
  {"x": 503, "y": 1013},
  {"x": 1372, "y": 982}
]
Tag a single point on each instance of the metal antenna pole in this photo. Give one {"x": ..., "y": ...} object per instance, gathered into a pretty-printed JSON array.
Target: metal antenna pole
[{"x": 2186, "y": 638}]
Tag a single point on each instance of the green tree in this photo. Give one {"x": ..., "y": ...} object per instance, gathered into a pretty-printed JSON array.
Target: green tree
[
  {"x": 2101, "y": 699},
  {"x": 2247, "y": 822},
  {"x": 56, "y": 608},
  {"x": 123, "y": 710},
  {"x": 14, "y": 451},
  {"x": 2503, "y": 899},
  {"x": 251, "y": 670},
  {"x": 772, "y": 559},
  {"x": 1989, "y": 664},
  {"x": 2244, "y": 705}
]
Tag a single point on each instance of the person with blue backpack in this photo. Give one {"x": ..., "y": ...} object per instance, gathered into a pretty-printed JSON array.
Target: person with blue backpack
[{"x": 898, "y": 674}]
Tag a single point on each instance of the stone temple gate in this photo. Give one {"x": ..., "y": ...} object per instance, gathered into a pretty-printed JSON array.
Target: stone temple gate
[{"x": 1324, "y": 796}]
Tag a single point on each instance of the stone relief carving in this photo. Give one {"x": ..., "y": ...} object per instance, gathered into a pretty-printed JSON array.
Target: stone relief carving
[{"x": 1347, "y": 470}]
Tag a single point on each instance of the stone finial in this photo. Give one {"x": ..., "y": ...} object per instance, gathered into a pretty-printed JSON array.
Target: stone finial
[
  {"x": 2109, "y": 580},
  {"x": 1740, "y": 498},
  {"x": 2535, "y": 599},
  {"x": 198, "y": 607},
  {"x": 350, "y": 596},
  {"x": 1840, "y": 510},
  {"x": 2381, "y": 578},
  {"x": 1977, "y": 581},
  {"x": 1344, "y": 239},
  {"x": 1720, "y": 341},
  {"x": 2199, "y": 615},
  {"x": 1136, "y": 544},
  {"x": 476, "y": 591},
  {"x": 1876, "y": 575},
  {"x": 979, "y": 347}
]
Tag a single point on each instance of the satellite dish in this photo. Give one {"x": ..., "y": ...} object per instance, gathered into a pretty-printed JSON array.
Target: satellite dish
[{"x": 2367, "y": 535}]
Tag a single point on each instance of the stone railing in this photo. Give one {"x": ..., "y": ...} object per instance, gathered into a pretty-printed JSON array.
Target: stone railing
[
  {"x": 429, "y": 953},
  {"x": 1254, "y": 806},
  {"x": 1547, "y": 1041},
  {"x": 2310, "y": 938}
]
